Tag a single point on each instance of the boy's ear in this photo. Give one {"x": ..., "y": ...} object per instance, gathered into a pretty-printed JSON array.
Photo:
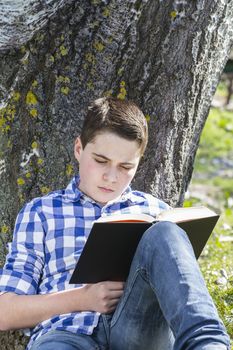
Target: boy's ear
[{"x": 78, "y": 148}]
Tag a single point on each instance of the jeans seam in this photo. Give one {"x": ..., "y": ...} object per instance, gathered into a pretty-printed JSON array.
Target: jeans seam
[
  {"x": 106, "y": 328},
  {"x": 114, "y": 319}
]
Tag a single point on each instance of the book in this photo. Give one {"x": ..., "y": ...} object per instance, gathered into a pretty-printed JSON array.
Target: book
[{"x": 112, "y": 242}]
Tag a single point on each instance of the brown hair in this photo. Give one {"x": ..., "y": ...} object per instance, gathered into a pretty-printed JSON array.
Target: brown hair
[{"x": 121, "y": 117}]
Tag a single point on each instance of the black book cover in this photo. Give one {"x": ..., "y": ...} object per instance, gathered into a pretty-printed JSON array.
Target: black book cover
[{"x": 110, "y": 247}]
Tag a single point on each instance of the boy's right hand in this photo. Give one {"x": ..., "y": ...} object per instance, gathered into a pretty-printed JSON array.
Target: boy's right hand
[{"x": 104, "y": 296}]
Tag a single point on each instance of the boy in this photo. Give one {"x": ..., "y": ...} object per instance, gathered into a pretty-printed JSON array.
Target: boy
[{"x": 164, "y": 303}]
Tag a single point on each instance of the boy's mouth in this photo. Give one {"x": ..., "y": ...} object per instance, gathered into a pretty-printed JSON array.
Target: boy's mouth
[{"x": 106, "y": 190}]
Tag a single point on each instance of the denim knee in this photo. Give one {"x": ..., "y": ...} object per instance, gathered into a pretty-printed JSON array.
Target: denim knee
[
  {"x": 163, "y": 237},
  {"x": 165, "y": 231}
]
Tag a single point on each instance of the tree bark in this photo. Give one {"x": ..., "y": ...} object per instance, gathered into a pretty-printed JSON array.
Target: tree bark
[{"x": 166, "y": 55}]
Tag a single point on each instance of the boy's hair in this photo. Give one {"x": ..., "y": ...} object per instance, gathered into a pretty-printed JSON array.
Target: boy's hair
[{"x": 121, "y": 117}]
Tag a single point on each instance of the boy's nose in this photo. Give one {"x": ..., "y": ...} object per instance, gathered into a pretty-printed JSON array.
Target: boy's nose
[{"x": 110, "y": 175}]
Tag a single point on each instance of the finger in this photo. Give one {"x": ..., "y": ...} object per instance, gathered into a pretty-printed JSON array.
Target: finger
[
  {"x": 109, "y": 311},
  {"x": 113, "y": 285},
  {"x": 115, "y": 294},
  {"x": 114, "y": 302},
  {"x": 112, "y": 306}
]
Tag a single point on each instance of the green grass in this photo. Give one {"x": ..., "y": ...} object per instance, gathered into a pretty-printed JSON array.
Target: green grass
[
  {"x": 216, "y": 265},
  {"x": 214, "y": 169}
]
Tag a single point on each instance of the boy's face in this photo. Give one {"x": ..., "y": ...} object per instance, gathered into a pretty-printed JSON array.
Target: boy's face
[{"x": 106, "y": 166}]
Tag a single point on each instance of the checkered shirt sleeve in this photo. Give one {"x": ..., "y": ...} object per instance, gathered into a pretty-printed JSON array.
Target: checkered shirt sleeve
[{"x": 24, "y": 263}]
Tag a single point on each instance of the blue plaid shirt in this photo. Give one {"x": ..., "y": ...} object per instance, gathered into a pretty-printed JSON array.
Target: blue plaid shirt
[{"x": 49, "y": 236}]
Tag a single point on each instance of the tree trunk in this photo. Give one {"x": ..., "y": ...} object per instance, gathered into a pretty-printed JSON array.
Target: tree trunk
[{"x": 57, "y": 56}]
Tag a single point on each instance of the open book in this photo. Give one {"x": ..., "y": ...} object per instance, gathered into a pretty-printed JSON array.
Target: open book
[
  {"x": 110, "y": 247},
  {"x": 174, "y": 215}
]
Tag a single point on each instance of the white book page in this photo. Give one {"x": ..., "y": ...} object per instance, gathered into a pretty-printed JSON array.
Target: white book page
[{"x": 184, "y": 214}]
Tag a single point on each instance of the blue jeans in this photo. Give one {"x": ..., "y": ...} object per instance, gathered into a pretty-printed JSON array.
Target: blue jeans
[{"x": 165, "y": 304}]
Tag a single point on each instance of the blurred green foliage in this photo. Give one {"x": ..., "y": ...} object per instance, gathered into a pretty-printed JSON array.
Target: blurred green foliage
[{"x": 216, "y": 144}]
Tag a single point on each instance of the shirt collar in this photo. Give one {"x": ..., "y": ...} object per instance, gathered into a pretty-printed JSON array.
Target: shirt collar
[{"x": 72, "y": 193}]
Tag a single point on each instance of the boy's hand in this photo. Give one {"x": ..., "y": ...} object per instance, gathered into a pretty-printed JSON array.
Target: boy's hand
[{"x": 103, "y": 297}]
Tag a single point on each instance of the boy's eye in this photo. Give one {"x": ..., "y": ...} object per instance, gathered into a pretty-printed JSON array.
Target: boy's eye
[
  {"x": 125, "y": 167},
  {"x": 101, "y": 161}
]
